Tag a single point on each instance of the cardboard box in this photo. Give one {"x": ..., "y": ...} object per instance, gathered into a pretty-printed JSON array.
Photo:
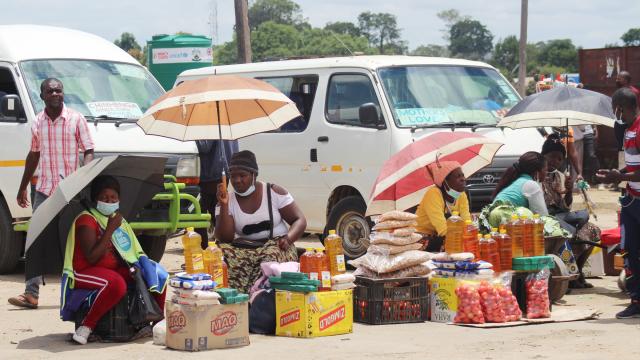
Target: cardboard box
[
  {"x": 595, "y": 264},
  {"x": 195, "y": 328},
  {"x": 314, "y": 314}
]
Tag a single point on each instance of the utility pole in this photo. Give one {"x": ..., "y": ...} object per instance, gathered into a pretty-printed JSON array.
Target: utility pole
[
  {"x": 242, "y": 31},
  {"x": 522, "y": 69}
]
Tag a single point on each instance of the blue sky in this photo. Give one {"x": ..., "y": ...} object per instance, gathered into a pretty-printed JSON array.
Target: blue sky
[{"x": 589, "y": 23}]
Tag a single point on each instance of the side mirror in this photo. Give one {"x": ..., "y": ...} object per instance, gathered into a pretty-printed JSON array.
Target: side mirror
[
  {"x": 11, "y": 109},
  {"x": 368, "y": 115}
]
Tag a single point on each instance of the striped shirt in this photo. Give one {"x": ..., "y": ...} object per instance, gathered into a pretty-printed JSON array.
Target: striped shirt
[
  {"x": 59, "y": 143},
  {"x": 632, "y": 155}
]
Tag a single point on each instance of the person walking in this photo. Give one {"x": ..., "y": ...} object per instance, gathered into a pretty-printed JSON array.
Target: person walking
[
  {"x": 590, "y": 162},
  {"x": 211, "y": 166},
  {"x": 625, "y": 106},
  {"x": 57, "y": 136}
]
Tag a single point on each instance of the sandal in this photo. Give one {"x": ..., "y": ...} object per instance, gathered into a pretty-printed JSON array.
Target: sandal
[{"x": 22, "y": 301}]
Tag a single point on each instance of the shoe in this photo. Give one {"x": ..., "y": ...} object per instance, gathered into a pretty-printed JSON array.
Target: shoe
[
  {"x": 632, "y": 311},
  {"x": 602, "y": 187},
  {"x": 82, "y": 335},
  {"x": 25, "y": 301}
]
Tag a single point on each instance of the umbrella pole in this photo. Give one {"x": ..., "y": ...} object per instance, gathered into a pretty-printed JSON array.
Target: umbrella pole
[
  {"x": 222, "y": 154},
  {"x": 568, "y": 158}
]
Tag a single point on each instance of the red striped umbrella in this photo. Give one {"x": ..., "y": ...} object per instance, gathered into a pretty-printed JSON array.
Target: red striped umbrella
[{"x": 403, "y": 179}]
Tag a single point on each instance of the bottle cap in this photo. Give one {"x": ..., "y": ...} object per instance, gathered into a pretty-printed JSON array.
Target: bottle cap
[
  {"x": 536, "y": 216},
  {"x": 455, "y": 213},
  {"x": 503, "y": 231},
  {"x": 523, "y": 217},
  {"x": 494, "y": 229},
  {"x": 190, "y": 229},
  {"x": 332, "y": 232},
  {"x": 468, "y": 222},
  {"x": 479, "y": 236},
  {"x": 487, "y": 236},
  {"x": 514, "y": 216}
]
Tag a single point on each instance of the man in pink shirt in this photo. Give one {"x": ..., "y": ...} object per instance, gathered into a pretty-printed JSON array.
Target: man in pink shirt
[{"x": 57, "y": 136}]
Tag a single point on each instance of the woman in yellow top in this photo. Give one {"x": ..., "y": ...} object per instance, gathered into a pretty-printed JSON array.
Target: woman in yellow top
[{"x": 441, "y": 199}]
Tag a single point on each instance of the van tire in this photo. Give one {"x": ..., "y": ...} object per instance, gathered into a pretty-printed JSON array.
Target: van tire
[
  {"x": 347, "y": 218},
  {"x": 153, "y": 246},
  {"x": 11, "y": 245}
]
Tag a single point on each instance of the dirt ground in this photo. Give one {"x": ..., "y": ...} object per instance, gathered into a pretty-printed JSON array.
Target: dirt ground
[{"x": 36, "y": 334}]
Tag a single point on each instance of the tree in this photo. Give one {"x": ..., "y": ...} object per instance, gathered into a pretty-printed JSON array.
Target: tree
[
  {"x": 344, "y": 28},
  {"x": 321, "y": 42},
  {"x": 470, "y": 39},
  {"x": 450, "y": 17},
  {"x": 505, "y": 53},
  {"x": 559, "y": 53},
  {"x": 272, "y": 41},
  {"x": 127, "y": 42},
  {"x": 431, "y": 50},
  {"x": 285, "y": 12},
  {"x": 631, "y": 37},
  {"x": 381, "y": 29}
]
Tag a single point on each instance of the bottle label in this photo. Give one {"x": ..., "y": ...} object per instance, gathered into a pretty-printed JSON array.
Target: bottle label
[
  {"x": 198, "y": 264},
  {"x": 340, "y": 262},
  {"x": 326, "y": 279},
  {"x": 313, "y": 276},
  {"x": 218, "y": 277}
]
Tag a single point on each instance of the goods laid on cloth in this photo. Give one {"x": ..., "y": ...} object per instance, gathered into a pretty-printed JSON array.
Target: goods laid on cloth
[
  {"x": 403, "y": 179},
  {"x": 198, "y": 318},
  {"x": 394, "y": 249}
]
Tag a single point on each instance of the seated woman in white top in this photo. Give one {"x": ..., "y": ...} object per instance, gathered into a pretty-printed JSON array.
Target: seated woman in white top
[
  {"x": 520, "y": 184},
  {"x": 255, "y": 223}
]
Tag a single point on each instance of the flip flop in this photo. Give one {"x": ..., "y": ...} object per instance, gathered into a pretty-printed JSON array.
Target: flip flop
[{"x": 21, "y": 301}]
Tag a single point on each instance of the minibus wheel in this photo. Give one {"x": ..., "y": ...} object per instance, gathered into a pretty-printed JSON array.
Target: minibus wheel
[
  {"x": 153, "y": 246},
  {"x": 347, "y": 218},
  {"x": 10, "y": 241}
]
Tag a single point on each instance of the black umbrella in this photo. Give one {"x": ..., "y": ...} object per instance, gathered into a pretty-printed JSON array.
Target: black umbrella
[{"x": 140, "y": 178}]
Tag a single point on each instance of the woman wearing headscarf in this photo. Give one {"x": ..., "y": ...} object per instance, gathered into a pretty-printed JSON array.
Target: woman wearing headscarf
[
  {"x": 256, "y": 222},
  {"x": 558, "y": 195},
  {"x": 445, "y": 196},
  {"x": 520, "y": 184}
]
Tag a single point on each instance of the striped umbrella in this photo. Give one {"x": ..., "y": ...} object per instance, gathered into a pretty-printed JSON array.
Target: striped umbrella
[
  {"x": 218, "y": 107},
  {"x": 403, "y": 179}
]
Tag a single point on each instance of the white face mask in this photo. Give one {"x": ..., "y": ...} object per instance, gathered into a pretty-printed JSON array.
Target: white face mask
[
  {"x": 249, "y": 191},
  {"x": 619, "y": 119},
  {"x": 107, "y": 209}
]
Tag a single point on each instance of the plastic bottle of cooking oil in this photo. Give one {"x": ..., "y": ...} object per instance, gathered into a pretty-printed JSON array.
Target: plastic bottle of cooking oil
[
  {"x": 322, "y": 266},
  {"x": 335, "y": 253},
  {"x": 307, "y": 261},
  {"x": 214, "y": 264},
  {"x": 505, "y": 248},
  {"x": 538, "y": 236},
  {"x": 453, "y": 239},
  {"x": 193, "y": 261},
  {"x": 515, "y": 229},
  {"x": 527, "y": 242},
  {"x": 470, "y": 238}
]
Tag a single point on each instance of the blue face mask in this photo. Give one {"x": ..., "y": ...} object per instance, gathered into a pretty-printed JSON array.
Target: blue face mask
[
  {"x": 453, "y": 193},
  {"x": 107, "y": 209}
]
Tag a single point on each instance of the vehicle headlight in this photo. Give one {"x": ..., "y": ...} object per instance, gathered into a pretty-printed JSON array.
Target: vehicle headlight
[{"x": 188, "y": 170}]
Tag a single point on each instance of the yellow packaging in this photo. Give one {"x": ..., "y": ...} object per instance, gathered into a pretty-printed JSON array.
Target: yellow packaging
[
  {"x": 443, "y": 299},
  {"x": 314, "y": 314}
]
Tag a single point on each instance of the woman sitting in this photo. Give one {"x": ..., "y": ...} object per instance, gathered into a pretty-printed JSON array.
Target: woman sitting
[
  {"x": 441, "y": 199},
  {"x": 100, "y": 249},
  {"x": 558, "y": 195},
  {"x": 520, "y": 184},
  {"x": 251, "y": 222}
]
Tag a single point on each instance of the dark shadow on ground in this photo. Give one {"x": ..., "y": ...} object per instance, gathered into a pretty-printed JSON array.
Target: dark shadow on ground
[{"x": 62, "y": 342}]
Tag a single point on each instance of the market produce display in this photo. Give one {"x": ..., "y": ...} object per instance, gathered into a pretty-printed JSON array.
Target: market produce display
[
  {"x": 469, "y": 307},
  {"x": 538, "y": 295},
  {"x": 499, "y": 213},
  {"x": 491, "y": 302}
]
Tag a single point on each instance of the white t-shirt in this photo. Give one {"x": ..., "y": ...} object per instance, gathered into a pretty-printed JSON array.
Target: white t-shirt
[
  {"x": 255, "y": 226},
  {"x": 534, "y": 194}
]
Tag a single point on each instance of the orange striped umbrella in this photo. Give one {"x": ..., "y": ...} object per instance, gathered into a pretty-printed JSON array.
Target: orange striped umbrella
[{"x": 218, "y": 107}]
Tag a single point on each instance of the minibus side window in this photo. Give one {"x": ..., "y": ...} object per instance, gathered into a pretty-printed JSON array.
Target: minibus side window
[
  {"x": 301, "y": 89},
  {"x": 7, "y": 87},
  {"x": 345, "y": 95}
]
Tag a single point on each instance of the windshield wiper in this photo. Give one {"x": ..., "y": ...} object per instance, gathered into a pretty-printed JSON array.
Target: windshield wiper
[
  {"x": 451, "y": 124},
  {"x": 107, "y": 118},
  {"x": 477, "y": 126}
]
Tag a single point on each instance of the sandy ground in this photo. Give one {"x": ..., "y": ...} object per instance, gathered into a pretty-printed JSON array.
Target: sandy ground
[{"x": 36, "y": 334}]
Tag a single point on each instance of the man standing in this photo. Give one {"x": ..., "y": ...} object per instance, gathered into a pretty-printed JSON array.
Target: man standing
[
  {"x": 57, "y": 136},
  {"x": 625, "y": 106},
  {"x": 211, "y": 166},
  {"x": 623, "y": 80}
]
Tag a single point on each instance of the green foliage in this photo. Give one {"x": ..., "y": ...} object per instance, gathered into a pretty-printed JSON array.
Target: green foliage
[
  {"x": 344, "y": 28},
  {"x": 559, "y": 53},
  {"x": 127, "y": 42},
  {"x": 470, "y": 39},
  {"x": 381, "y": 29},
  {"x": 319, "y": 42},
  {"x": 631, "y": 37},
  {"x": 431, "y": 50},
  {"x": 506, "y": 53},
  {"x": 226, "y": 53},
  {"x": 450, "y": 17},
  {"x": 285, "y": 12},
  {"x": 272, "y": 41}
]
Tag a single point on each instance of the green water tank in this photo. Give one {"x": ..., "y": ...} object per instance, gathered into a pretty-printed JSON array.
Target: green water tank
[{"x": 169, "y": 55}]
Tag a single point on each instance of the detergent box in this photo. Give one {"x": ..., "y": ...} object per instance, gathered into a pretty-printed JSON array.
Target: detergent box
[
  {"x": 196, "y": 328},
  {"x": 314, "y": 314}
]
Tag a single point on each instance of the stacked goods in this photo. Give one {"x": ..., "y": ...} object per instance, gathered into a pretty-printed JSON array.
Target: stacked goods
[
  {"x": 294, "y": 281},
  {"x": 342, "y": 282},
  {"x": 188, "y": 281},
  {"x": 232, "y": 296},
  {"x": 538, "y": 295},
  {"x": 395, "y": 249},
  {"x": 460, "y": 266}
]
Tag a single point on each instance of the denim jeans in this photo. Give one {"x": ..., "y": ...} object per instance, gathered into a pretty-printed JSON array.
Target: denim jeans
[
  {"x": 33, "y": 285},
  {"x": 630, "y": 231},
  {"x": 590, "y": 162}
]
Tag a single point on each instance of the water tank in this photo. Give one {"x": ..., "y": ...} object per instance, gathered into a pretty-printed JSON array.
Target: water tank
[{"x": 169, "y": 55}]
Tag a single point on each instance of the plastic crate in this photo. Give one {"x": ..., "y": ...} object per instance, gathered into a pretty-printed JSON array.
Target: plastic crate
[
  {"x": 532, "y": 263},
  {"x": 390, "y": 301}
]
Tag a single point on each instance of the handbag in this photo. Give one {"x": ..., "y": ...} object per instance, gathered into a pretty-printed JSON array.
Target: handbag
[{"x": 143, "y": 308}]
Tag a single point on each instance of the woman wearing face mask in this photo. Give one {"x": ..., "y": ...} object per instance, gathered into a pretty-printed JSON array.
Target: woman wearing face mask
[
  {"x": 256, "y": 222},
  {"x": 520, "y": 184},
  {"x": 100, "y": 249},
  {"x": 441, "y": 199}
]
